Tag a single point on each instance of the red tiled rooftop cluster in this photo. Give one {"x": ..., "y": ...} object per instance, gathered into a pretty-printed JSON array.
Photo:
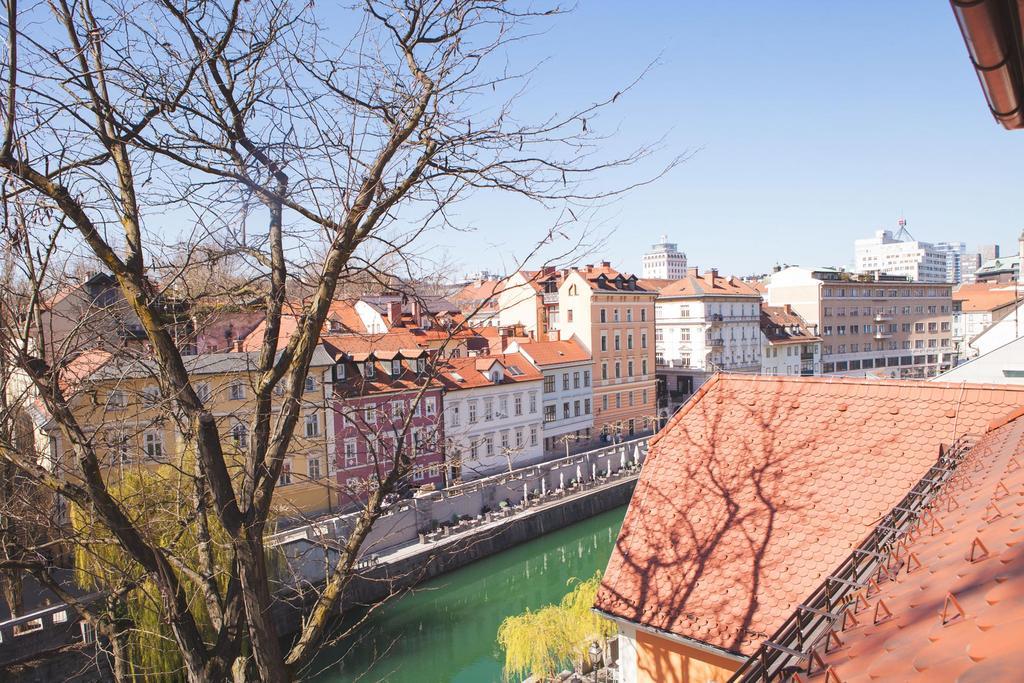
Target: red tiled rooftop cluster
[
  {"x": 762, "y": 485},
  {"x": 954, "y": 609}
]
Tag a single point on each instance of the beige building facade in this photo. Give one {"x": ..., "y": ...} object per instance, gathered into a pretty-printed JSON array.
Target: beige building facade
[
  {"x": 612, "y": 316},
  {"x": 875, "y": 326}
]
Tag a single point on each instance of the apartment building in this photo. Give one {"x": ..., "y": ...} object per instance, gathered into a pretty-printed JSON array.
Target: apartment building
[
  {"x": 913, "y": 259},
  {"x": 789, "y": 346},
  {"x": 123, "y": 408},
  {"x": 530, "y": 298},
  {"x": 664, "y": 261},
  {"x": 1002, "y": 268},
  {"x": 385, "y": 404},
  {"x": 612, "y": 316},
  {"x": 880, "y": 325},
  {"x": 976, "y": 307},
  {"x": 705, "y": 323},
  {"x": 568, "y": 396},
  {"x": 492, "y": 414}
]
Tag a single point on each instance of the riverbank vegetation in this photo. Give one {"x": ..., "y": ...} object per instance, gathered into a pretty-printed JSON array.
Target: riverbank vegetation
[{"x": 543, "y": 642}]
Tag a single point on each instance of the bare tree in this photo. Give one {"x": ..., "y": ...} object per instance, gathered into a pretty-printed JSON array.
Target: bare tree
[{"x": 304, "y": 144}]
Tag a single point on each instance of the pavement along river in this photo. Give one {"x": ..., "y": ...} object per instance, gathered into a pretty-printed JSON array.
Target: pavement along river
[{"x": 446, "y": 631}]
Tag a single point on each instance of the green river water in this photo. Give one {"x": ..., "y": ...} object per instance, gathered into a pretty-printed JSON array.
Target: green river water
[{"x": 446, "y": 630}]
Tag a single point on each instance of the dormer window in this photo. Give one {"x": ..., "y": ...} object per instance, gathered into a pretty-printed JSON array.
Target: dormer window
[
  {"x": 421, "y": 365},
  {"x": 369, "y": 370},
  {"x": 340, "y": 371},
  {"x": 396, "y": 367}
]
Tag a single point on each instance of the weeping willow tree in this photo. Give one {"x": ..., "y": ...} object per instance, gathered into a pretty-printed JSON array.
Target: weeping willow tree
[
  {"x": 163, "y": 502},
  {"x": 541, "y": 643}
]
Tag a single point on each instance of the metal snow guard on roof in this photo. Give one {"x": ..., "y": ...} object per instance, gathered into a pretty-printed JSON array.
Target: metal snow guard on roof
[{"x": 790, "y": 647}]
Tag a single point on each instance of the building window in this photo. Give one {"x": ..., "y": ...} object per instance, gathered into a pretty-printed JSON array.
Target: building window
[
  {"x": 153, "y": 444},
  {"x": 549, "y": 384},
  {"x": 421, "y": 365},
  {"x": 237, "y": 391},
  {"x": 549, "y": 413},
  {"x": 586, "y": 378},
  {"x": 489, "y": 444},
  {"x": 286, "y": 474},
  {"x": 310, "y": 384},
  {"x": 565, "y": 381},
  {"x": 312, "y": 425},
  {"x": 370, "y": 414},
  {"x": 313, "y": 468},
  {"x": 604, "y": 315},
  {"x": 533, "y": 402},
  {"x": 568, "y": 315},
  {"x": 576, "y": 380},
  {"x": 488, "y": 410},
  {"x": 643, "y": 340},
  {"x": 604, "y": 402},
  {"x": 240, "y": 436},
  {"x": 618, "y": 369},
  {"x": 369, "y": 370},
  {"x": 151, "y": 396},
  {"x": 604, "y": 342},
  {"x": 565, "y": 410},
  {"x": 517, "y": 405},
  {"x": 430, "y": 405},
  {"x": 618, "y": 342},
  {"x": 116, "y": 400},
  {"x": 586, "y": 406},
  {"x": 203, "y": 393},
  {"x": 396, "y": 368},
  {"x": 643, "y": 315},
  {"x": 351, "y": 457},
  {"x": 397, "y": 410},
  {"x": 533, "y": 435},
  {"x": 576, "y": 408},
  {"x": 604, "y": 371}
]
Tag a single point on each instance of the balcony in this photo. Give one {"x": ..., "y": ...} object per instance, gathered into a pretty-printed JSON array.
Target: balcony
[
  {"x": 882, "y": 317},
  {"x": 716, "y": 343},
  {"x": 806, "y": 357},
  {"x": 881, "y": 335},
  {"x": 550, "y": 298}
]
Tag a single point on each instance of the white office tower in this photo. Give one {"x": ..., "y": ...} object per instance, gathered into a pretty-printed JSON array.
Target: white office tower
[
  {"x": 664, "y": 261},
  {"x": 956, "y": 263},
  {"x": 883, "y": 253}
]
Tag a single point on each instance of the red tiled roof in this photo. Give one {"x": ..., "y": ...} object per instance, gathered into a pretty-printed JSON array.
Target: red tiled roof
[
  {"x": 555, "y": 352},
  {"x": 974, "y": 552},
  {"x": 471, "y": 370},
  {"x": 783, "y": 325},
  {"x": 985, "y": 296},
  {"x": 81, "y": 367},
  {"x": 341, "y": 316},
  {"x": 760, "y": 486},
  {"x": 702, "y": 285}
]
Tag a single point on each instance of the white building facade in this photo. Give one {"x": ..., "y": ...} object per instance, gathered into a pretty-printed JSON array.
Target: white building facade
[
  {"x": 568, "y": 393},
  {"x": 919, "y": 261},
  {"x": 492, "y": 413},
  {"x": 664, "y": 261}
]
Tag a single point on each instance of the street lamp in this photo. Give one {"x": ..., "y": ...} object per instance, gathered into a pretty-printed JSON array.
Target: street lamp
[{"x": 595, "y": 657}]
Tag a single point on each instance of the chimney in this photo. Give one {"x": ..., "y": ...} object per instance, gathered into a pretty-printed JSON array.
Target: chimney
[
  {"x": 693, "y": 272},
  {"x": 503, "y": 333},
  {"x": 395, "y": 313},
  {"x": 238, "y": 344},
  {"x": 714, "y": 275},
  {"x": 606, "y": 264},
  {"x": 788, "y": 308},
  {"x": 417, "y": 312},
  {"x": 589, "y": 266}
]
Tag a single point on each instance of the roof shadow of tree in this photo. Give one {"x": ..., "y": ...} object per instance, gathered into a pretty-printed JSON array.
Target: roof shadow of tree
[{"x": 700, "y": 551}]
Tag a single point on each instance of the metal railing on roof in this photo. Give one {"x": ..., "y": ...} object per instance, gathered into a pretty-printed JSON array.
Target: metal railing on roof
[{"x": 793, "y": 646}]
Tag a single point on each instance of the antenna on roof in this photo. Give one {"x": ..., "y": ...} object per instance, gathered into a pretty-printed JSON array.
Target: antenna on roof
[{"x": 903, "y": 232}]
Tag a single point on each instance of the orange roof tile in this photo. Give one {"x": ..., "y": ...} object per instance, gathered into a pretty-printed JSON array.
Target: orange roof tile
[
  {"x": 470, "y": 370},
  {"x": 702, "y": 285},
  {"x": 555, "y": 352},
  {"x": 760, "y": 486},
  {"x": 782, "y": 325},
  {"x": 973, "y": 552},
  {"x": 985, "y": 296}
]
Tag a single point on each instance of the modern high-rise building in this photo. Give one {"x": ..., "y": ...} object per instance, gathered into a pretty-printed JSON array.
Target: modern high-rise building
[
  {"x": 883, "y": 253},
  {"x": 954, "y": 253},
  {"x": 664, "y": 261}
]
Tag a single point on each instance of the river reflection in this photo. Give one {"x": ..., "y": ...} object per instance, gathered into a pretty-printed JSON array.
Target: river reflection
[{"x": 446, "y": 630}]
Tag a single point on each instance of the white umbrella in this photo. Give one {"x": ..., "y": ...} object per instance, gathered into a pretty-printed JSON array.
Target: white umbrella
[
  {"x": 593, "y": 472},
  {"x": 561, "y": 480},
  {"x": 544, "y": 486},
  {"x": 636, "y": 455},
  {"x": 524, "y": 492},
  {"x": 579, "y": 474},
  {"x": 622, "y": 460}
]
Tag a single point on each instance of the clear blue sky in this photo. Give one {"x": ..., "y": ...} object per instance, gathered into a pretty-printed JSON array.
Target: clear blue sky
[{"x": 815, "y": 122}]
